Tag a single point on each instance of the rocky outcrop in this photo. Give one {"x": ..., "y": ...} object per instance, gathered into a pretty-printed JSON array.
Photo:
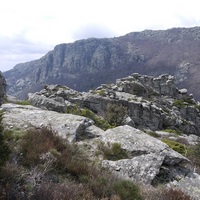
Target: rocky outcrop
[
  {"x": 55, "y": 104},
  {"x": 147, "y": 155},
  {"x": 2, "y": 89},
  {"x": 85, "y": 64},
  {"x": 147, "y": 102}
]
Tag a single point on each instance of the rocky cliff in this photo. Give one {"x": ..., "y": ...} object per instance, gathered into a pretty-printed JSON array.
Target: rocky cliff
[{"x": 85, "y": 64}]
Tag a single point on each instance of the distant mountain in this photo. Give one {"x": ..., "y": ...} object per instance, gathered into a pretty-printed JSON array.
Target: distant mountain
[{"x": 85, "y": 64}]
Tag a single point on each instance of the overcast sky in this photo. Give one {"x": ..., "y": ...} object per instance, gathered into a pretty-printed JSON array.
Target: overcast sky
[{"x": 31, "y": 28}]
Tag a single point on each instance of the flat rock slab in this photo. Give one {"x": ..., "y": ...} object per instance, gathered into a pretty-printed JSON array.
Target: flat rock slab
[
  {"x": 142, "y": 168},
  {"x": 147, "y": 154},
  {"x": 66, "y": 125}
]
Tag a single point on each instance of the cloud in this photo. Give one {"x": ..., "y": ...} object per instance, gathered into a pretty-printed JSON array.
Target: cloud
[{"x": 17, "y": 49}]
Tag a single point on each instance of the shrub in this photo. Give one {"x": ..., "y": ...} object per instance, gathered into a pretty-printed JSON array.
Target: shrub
[
  {"x": 179, "y": 103},
  {"x": 101, "y": 186},
  {"x": 11, "y": 179},
  {"x": 115, "y": 114},
  {"x": 176, "y": 132},
  {"x": 153, "y": 134},
  {"x": 161, "y": 193},
  {"x": 69, "y": 191},
  {"x": 176, "y": 146},
  {"x": 127, "y": 190},
  {"x": 37, "y": 142},
  {"x": 175, "y": 194},
  {"x": 4, "y": 148},
  {"x": 194, "y": 156},
  {"x": 112, "y": 151},
  {"x": 101, "y": 92},
  {"x": 24, "y": 102},
  {"x": 85, "y": 112}
]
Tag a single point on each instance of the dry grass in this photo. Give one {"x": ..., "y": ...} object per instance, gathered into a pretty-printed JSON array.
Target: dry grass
[{"x": 161, "y": 193}]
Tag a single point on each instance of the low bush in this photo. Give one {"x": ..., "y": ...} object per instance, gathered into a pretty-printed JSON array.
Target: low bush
[
  {"x": 37, "y": 142},
  {"x": 69, "y": 191},
  {"x": 194, "y": 156},
  {"x": 176, "y": 132},
  {"x": 100, "y": 122},
  {"x": 161, "y": 193},
  {"x": 112, "y": 151},
  {"x": 153, "y": 134},
  {"x": 127, "y": 190},
  {"x": 100, "y": 92},
  {"x": 4, "y": 148},
  {"x": 101, "y": 185},
  {"x": 24, "y": 102},
  {"x": 12, "y": 179},
  {"x": 179, "y": 103},
  {"x": 174, "y": 194},
  {"x": 115, "y": 114}
]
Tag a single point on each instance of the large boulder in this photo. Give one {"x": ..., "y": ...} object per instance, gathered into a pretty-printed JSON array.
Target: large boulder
[
  {"x": 71, "y": 127},
  {"x": 148, "y": 156},
  {"x": 56, "y": 104}
]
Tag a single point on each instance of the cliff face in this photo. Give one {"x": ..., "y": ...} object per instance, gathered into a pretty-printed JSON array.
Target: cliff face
[{"x": 85, "y": 64}]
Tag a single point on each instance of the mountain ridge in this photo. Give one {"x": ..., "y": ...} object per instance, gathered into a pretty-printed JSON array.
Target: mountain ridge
[{"x": 87, "y": 63}]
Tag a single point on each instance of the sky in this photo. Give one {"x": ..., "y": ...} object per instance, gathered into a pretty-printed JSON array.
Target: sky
[{"x": 31, "y": 28}]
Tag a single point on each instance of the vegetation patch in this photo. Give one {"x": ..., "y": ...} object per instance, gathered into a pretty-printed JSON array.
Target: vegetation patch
[
  {"x": 153, "y": 134},
  {"x": 115, "y": 114},
  {"x": 100, "y": 122},
  {"x": 194, "y": 156},
  {"x": 112, "y": 151},
  {"x": 23, "y": 102},
  {"x": 100, "y": 92},
  {"x": 4, "y": 148},
  {"x": 127, "y": 190},
  {"x": 175, "y": 132},
  {"x": 179, "y": 103},
  {"x": 176, "y": 146},
  {"x": 163, "y": 193}
]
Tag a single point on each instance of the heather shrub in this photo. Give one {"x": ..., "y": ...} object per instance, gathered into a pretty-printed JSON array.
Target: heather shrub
[
  {"x": 11, "y": 180},
  {"x": 24, "y": 102},
  {"x": 4, "y": 148},
  {"x": 115, "y": 114},
  {"x": 69, "y": 191},
  {"x": 37, "y": 142},
  {"x": 179, "y": 103},
  {"x": 174, "y": 194},
  {"x": 112, "y": 151},
  {"x": 161, "y": 193},
  {"x": 193, "y": 155},
  {"x": 85, "y": 112},
  {"x": 127, "y": 190},
  {"x": 176, "y": 146}
]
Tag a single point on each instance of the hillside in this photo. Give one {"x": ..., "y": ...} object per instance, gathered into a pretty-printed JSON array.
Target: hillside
[
  {"x": 137, "y": 138},
  {"x": 85, "y": 64}
]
